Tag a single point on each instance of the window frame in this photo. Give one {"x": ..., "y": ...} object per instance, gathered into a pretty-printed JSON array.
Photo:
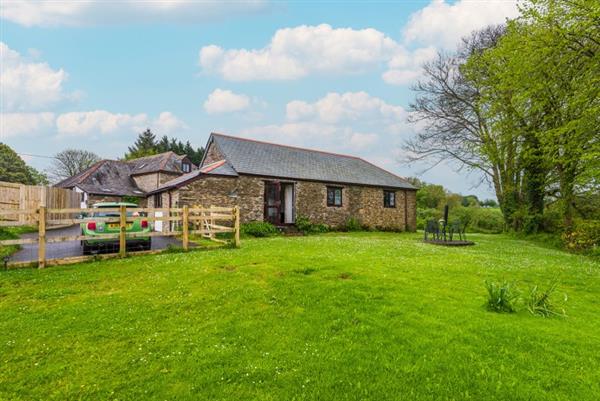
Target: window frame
[
  {"x": 333, "y": 203},
  {"x": 158, "y": 200},
  {"x": 386, "y": 199}
]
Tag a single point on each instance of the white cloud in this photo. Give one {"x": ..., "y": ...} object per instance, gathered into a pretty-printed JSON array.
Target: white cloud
[
  {"x": 98, "y": 121},
  {"x": 25, "y": 124},
  {"x": 350, "y": 106},
  {"x": 167, "y": 123},
  {"x": 225, "y": 101},
  {"x": 99, "y": 12},
  {"x": 28, "y": 86},
  {"x": 406, "y": 67},
  {"x": 296, "y": 52},
  {"x": 443, "y": 24}
]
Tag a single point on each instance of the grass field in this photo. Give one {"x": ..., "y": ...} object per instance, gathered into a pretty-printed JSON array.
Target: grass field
[{"x": 361, "y": 316}]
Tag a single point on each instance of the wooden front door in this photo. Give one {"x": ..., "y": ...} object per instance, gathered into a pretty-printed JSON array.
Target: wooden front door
[{"x": 273, "y": 202}]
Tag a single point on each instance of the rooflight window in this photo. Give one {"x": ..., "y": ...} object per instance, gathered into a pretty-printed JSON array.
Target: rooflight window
[
  {"x": 107, "y": 190},
  {"x": 141, "y": 166}
]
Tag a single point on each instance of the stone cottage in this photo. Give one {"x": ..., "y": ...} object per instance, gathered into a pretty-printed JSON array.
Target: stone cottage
[
  {"x": 113, "y": 180},
  {"x": 278, "y": 183}
]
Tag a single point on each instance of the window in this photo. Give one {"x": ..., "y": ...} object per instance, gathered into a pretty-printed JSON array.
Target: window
[
  {"x": 389, "y": 199},
  {"x": 334, "y": 196},
  {"x": 157, "y": 200},
  {"x": 186, "y": 167}
]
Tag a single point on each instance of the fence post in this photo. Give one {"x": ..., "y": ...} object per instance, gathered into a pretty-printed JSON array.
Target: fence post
[
  {"x": 236, "y": 224},
  {"x": 186, "y": 237},
  {"x": 123, "y": 229},
  {"x": 42, "y": 237}
]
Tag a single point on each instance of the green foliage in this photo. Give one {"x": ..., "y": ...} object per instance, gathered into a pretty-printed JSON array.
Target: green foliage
[
  {"x": 539, "y": 302},
  {"x": 131, "y": 199},
  {"x": 502, "y": 297},
  {"x": 7, "y": 233},
  {"x": 259, "y": 229},
  {"x": 305, "y": 226},
  {"x": 353, "y": 224},
  {"x": 424, "y": 215},
  {"x": 13, "y": 168},
  {"x": 431, "y": 196},
  {"x": 147, "y": 145},
  {"x": 584, "y": 237}
]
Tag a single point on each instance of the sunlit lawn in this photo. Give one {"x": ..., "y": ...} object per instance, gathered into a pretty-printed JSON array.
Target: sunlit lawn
[{"x": 377, "y": 316}]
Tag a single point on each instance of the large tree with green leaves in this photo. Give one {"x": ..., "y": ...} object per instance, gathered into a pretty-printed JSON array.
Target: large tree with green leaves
[
  {"x": 14, "y": 169},
  {"x": 549, "y": 63}
]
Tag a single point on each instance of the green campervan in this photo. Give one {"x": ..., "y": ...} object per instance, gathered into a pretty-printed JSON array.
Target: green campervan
[{"x": 95, "y": 225}]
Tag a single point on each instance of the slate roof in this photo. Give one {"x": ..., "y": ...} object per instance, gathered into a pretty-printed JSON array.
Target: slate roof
[
  {"x": 114, "y": 177},
  {"x": 221, "y": 167},
  {"x": 267, "y": 159}
]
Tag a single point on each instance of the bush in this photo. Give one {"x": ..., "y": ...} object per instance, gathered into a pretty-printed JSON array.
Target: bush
[
  {"x": 353, "y": 225},
  {"x": 584, "y": 237},
  {"x": 259, "y": 229},
  {"x": 478, "y": 220},
  {"x": 306, "y": 227},
  {"x": 539, "y": 303},
  {"x": 502, "y": 297},
  {"x": 424, "y": 215}
]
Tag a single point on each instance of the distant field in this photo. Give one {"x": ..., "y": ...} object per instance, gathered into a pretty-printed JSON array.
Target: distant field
[{"x": 377, "y": 316}]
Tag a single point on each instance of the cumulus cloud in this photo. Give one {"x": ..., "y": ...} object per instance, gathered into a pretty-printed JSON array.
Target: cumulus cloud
[
  {"x": 95, "y": 123},
  {"x": 296, "y": 52},
  {"x": 25, "y": 124},
  {"x": 99, "y": 12},
  {"x": 406, "y": 66},
  {"x": 350, "y": 106},
  {"x": 443, "y": 24},
  {"x": 167, "y": 123},
  {"x": 28, "y": 86},
  {"x": 98, "y": 121},
  {"x": 225, "y": 101}
]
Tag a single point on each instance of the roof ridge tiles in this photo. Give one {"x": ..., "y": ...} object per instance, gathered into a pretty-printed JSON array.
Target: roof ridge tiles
[{"x": 285, "y": 146}]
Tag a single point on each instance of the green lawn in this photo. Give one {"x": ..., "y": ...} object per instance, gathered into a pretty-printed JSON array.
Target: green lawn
[{"x": 365, "y": 316}]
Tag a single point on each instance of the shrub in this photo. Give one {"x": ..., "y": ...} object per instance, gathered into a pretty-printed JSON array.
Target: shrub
[
  {"x": 259, "y": 229},
  {"x": 478, "y": 219},
  {"x": 539, "y": 303},
  {"x": 306, "y": 227},
  {"x": 584, "y": 237},
  {"x": 353, "y": 225},
  {"x": 502, "y": 297},
  {"x": 424, "y": 215}
]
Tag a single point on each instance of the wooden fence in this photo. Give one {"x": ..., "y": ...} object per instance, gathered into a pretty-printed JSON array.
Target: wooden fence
[
  {"x": 27, "y": 197},
  {"x": 205, "y": 222}
]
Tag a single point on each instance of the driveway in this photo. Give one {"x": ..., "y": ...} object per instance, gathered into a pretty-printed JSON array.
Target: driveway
[{"x": 67, "y": 249}]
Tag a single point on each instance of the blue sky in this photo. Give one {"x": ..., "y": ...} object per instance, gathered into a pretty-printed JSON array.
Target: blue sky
[{"x": 327, "y": 75}]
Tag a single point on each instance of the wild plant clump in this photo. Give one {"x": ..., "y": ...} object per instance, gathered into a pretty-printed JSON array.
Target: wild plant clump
[
  {"x": 540, "y": 303},
  {"x": 305, "y": 226},
  {"x": 502, "y": 297},
  {"x": 259, "y": 229}
]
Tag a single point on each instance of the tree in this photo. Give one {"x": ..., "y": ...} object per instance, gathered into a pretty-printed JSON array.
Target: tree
[
  {"x": 13, "y": 168},
  {"x": 145, "y": 145},
  {"x": 549, "y": 61},
  {"x": 38, "y": 177},
  {"x": 70, "y": 162},
  {"x": 456, "y": 127}
]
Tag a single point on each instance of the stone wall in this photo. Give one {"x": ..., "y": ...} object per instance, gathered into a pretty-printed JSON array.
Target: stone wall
[
  {"x": 244, "y": 191},
  {"x": 147, "y": 182},
  {"x": 212, "y": 154},
  {"x": 360, "y": 202}
]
